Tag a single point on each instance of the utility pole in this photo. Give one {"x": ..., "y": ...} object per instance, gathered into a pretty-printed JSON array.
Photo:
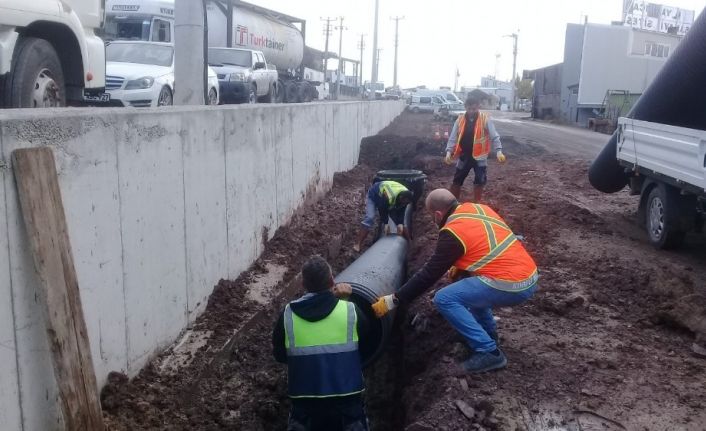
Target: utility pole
[
  {"x": 340, "y": 57},
  {"x": 377, "y": 62},
  {"x": 361, "y": 47},
  {"x": 514, "y": 68},
  {"x": 397, "y": 43},
  {"x": 189, "y": 37},
  {"x": 327, "y": 33},
  {"x": 374, "y": 74}
]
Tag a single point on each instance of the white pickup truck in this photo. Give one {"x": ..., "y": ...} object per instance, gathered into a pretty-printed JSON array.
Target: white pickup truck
[
  {"x": 243, "y": 75},
  {"x": 668, "y": 171},
  {"x": 49, "y": 52}
]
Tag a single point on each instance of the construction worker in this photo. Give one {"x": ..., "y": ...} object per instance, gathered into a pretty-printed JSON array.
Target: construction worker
[
  {"x": 317, "y": 337},
  {"x": 475, "y": 241},
  {"x": 390, "y": 199},
  {"x": 469, "y": 145}
]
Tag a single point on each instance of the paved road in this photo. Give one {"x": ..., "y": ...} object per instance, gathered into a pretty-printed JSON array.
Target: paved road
[{"x": 554, "y": 138}]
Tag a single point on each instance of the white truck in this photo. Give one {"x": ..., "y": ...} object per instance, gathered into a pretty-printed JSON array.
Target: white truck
[
  {"x": 50, "y": 54},
  {"x": 236, "y": 23},
  {"x": 667, "y": 166}
]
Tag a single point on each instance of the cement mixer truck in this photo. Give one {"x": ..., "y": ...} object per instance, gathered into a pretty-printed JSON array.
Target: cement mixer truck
[{"x": 238, "y": 25}]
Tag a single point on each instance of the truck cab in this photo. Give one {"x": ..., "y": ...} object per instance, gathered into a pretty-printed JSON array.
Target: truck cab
[
  {"x": 50, "y": 54},
  {"x": 151, "y": 20}
]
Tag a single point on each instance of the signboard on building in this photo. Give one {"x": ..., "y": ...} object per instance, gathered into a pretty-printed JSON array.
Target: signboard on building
[{"x": 657, "y": 17}]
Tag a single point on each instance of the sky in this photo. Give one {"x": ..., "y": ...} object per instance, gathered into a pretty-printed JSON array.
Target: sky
[{"x": 438, "y": 36}]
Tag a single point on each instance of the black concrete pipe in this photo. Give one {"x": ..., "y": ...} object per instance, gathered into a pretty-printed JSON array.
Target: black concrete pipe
[
  {"x": 379, "y": 271},
  {"x": 675, "y": 97}
]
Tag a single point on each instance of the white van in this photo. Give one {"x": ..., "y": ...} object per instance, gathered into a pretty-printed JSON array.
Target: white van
[{"x": 429, "y": 104}]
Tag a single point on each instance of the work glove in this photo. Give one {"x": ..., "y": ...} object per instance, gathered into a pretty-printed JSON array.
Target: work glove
[
  {"x": 356, "y": 248},
  {"x": 342, "y": 290},
  {"x": 500, "y": 156},
  {"x": 384, "y": 305},
  {"x": 400, "y": 229},
  {"x": 448, "y": 159}
]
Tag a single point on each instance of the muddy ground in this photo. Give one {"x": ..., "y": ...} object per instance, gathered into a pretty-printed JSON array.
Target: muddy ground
[{"x": 603, "y": 345}]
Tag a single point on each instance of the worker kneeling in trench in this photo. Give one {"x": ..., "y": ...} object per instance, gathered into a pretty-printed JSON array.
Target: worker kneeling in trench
[
  {"x": 489, "y": 266},
  {"x": 317, "y": 337}
]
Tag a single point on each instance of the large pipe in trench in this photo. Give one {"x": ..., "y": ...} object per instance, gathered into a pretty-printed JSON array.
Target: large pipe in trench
[
  {"x": 379, "y": 271},
  {"x": 675, "y": 97}
]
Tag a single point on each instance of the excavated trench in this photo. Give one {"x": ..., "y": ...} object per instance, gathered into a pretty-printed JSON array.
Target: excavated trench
[{"x": 576, "y": 351}]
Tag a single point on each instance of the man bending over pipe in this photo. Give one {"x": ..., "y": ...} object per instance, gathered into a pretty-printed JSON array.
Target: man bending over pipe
[
  {"x": 475, "y": 241},
  {"x": 317, "y": 337},
  {"x": 390, "y": 198}
]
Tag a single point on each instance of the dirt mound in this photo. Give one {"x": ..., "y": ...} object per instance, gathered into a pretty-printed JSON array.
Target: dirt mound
[{"x": 596, "y": 346}]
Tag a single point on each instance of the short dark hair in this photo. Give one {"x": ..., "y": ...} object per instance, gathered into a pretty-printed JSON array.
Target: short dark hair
[
  {"x": 316, "y": 274},
  {"x": 472, "y": 100}
]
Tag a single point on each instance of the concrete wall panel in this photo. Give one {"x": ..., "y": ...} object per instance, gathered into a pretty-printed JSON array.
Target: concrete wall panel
[
  {"x": 205, "y": 205},
  {"x": 160, "y": 204},
  {"x": 151, "y": 179},
  {"x": 10, "y": 416}
]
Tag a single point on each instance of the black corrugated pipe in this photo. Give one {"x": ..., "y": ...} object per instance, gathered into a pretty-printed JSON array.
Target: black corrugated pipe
[
  {"x": 675, "y": 97},
  {"x": 379, "y": 271}
]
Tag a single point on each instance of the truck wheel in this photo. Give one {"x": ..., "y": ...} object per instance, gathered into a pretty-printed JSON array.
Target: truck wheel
[
  {"x": 280, "y": 91},
  {"x": 415, "y": 110},
  {"x": 212, "y": 97},
  {"x": 663, "y": 226},
  {"x": 252, "y": 94},
  {"x": 36, "y": 79},
  {"x": 270, "y": 97},
  {"x": 165, "y": 97},
  {"x": 291, "y": 90}
]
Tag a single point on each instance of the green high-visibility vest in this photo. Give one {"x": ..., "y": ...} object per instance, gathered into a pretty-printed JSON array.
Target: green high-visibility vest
[
  {"x": 322, "y": 356},
  {"x": 390, "y": 190}
]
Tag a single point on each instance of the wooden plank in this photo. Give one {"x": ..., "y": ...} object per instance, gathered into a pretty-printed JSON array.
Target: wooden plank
[{"x": 45, "y": 221}]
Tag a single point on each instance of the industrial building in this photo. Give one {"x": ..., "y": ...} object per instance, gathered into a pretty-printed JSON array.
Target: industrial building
[
  {"x": 498, "y": 92},
  {"x": 605, "y": 69}
]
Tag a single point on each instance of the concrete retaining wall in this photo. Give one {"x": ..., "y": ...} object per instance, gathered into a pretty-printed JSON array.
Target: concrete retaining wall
[{"x": 161, "y": 204}]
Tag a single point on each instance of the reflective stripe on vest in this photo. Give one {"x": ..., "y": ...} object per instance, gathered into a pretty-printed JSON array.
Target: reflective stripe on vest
[
  {"x": 390, "y": 190},
  {"x": 495, "y": 248},
  {"x": 322, "y": 357},
  {"x": 491, "y": 250},
  {"x": 481, "y": 140},
  {"x": 348, "y": 341}
]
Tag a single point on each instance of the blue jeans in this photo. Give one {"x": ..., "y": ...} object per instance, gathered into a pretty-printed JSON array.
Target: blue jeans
[{"x": 467, "y": 305}]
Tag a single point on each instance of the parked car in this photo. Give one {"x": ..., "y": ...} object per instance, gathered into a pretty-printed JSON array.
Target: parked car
[
  {"x": 141, "y": 74},
  {"x": 244, "y": 76},
  {"x": 449, "y": 111},
  {"x": 425, "y": 103}
]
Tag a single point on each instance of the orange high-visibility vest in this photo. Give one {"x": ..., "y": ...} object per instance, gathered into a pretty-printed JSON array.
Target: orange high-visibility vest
[
  {"x": 491, "y": 250},
  {"x": 481, "y": 138}
]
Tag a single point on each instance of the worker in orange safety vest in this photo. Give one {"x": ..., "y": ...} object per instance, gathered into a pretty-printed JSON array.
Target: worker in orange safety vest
[
  {"x": 476, "y": 242},
  {"x": 469, "y": 145}
]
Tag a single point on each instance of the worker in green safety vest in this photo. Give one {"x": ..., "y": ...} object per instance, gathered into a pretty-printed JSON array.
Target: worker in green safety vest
[
  {"x": 317, "y": 337},
  {"x": 389, "y": 199}
]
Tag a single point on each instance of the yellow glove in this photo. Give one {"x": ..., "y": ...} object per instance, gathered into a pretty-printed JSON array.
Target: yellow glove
[
  {"x": 342, "y": 290},
  {"x": 448, "y": 159},
  {"x": 384, "y": 305},
  {"x": 501, "y": 157},
  {"x": 452, "y": 273}
]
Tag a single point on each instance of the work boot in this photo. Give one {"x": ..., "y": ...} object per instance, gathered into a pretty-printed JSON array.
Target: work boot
[
  {"x": 480, "y": 362},
  {"x": 455, "y": 190}
]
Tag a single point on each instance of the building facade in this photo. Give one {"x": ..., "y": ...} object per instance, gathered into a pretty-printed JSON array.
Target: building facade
[{"x": 600, "y": 61}]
